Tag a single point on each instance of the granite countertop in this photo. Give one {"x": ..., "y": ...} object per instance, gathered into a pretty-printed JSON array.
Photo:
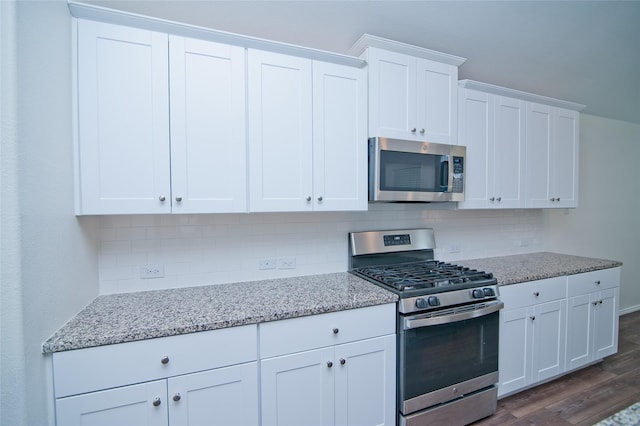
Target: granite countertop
[
  {"x": 120, "y": 318},
  {"x": 536, "y": 266}
]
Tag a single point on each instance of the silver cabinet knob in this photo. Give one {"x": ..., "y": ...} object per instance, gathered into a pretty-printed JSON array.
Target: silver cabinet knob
[
  {"x": 164, "y": 360},
  {"x": 157, "y": 402},
  {"x": 492, "y": 199},
  {"x": 178, "y": 199},
  {"x": 343, "y": 361},
  {"x": 320, "y": 199},
  {"x": 422, "y": 131},
  {"x": 533, "y": 318},
  {"x": 329, "y": 364},
  {"x": 413, "y": 130},
  {"x": 176, "y": 397},
  {"x": 162, "y": 198},
  {"x": 536, "y": 293},
  {"x": 598, "y": 282},
  {"x": 308, "y": 198},
  {"x": 336, "y": 331},
  {"x": 499, "y": 199},
  {"x": 595, "y": 303}
]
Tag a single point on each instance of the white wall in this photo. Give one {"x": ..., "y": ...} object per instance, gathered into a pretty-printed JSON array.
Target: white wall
[
  {"x": 50, "y": 271},
  {"x": 606, "y": 223}
]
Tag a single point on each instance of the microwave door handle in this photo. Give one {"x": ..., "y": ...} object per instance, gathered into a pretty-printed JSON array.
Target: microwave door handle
[{"x": 445, "y": 180}]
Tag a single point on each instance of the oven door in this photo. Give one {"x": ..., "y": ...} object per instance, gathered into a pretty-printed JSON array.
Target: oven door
[{"x": 447, "y": 354}]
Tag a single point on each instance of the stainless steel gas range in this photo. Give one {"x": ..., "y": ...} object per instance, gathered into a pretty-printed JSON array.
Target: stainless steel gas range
[{"x": 448, "y": 322}]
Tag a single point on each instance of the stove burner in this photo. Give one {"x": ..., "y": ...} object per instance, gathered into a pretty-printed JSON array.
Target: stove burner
[{"x": 423, "y": 275}]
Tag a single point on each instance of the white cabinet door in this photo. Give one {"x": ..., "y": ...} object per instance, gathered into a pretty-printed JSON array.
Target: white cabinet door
[
  {"x": 564, "y": 158},
  {"x": 437, "y": 102},
  {"x": 549, "y": 339},
  {"x": 220, "y": 397},
  {"x": 516, "y": 340},
  {"x": 339, "y": 137},
  {"x": 365, "y": 382},
  {"x": 539, "y": 139},
  {"x": 392, "y": 94},
  {"x": 298, "y": 389},
  {"x": 579, "y": 331},
  {"x": 208, "y": 137},
  {"x": 508, "y": 155},
  {"x": 136, "y": 405},
  {"x": 476, "y": 133},
  {"x": 280, "y": 132},
  {"x": 123, "y": 121},
  {"x": 605, "y": 323}
]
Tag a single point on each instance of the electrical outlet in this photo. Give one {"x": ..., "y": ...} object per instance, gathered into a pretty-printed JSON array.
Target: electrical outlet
[
  {"x": 155, "y": 270},
  {"x": 287, "y": 263},
  {"x": 267, "y": 264},
  {"x": 454, "y": 248}
]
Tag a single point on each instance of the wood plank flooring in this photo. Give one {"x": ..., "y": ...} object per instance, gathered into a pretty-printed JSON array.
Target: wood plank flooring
[{"x": 583, "y": 397}]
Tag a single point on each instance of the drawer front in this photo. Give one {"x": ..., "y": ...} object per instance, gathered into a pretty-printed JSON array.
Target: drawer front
[
  {"x": 103, "y": 367},
  {"x": 593, "y": 281},
  {"x": 533, "y": 292},
  {"x": 317, "y": 331}
]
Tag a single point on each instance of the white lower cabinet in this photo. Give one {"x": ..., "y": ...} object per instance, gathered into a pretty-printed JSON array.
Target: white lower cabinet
[
  {"x": 100, "y": 386},
  {"x": 532, "y": 333},
  {"x": 593, "y": 316},
  {"x": 340, "y": 372},
  {"x": 552, "y": 326}
]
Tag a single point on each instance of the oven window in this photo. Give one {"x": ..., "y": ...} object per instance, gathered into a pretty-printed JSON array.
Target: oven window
[
  {"x": 438, "y": 356},
  {"x": 412, "y": 172}
]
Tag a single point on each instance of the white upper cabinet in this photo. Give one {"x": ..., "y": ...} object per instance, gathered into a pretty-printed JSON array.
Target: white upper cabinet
[
  {"x": 307, "y": 140},
  {"x": 492, "y": 127},
  {"x": 280, "y": 132},
  {"x": 552, "y": 156},
  {"x": 123, "y": 120},
  {"x": 413, "y": 92},
  {"x": 208, "y": 136}
]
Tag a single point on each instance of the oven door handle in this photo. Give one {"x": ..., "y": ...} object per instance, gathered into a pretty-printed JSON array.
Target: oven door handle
[{"x": 417, "y": 322}]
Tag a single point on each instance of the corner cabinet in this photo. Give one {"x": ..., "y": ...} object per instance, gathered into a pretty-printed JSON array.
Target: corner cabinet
[
  {"x": 307, "y": 134},
  {"x": 179, "y": 380},
  {"x": 413, "y": 92},
  {"x": 522, "y": 149},
  {"x": 339, "y": 370}
]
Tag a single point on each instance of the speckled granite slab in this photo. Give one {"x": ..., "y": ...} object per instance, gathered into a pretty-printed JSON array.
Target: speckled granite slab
[
  {"x": 630, "y": 416},
  {"x": 536, "y": 266},
  {"x": 120, "y": 318}
]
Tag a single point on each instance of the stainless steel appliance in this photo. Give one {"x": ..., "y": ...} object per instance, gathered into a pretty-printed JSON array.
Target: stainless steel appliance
[
  {"x": 448, "y": 322},
  {"x": 413, "y": 171}
]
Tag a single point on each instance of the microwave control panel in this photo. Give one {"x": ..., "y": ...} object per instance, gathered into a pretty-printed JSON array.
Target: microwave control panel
[{"x": 458, "y": 174}]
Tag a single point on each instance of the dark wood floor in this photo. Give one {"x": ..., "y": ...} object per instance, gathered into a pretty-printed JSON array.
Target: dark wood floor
[{"x": 583, "y": 397}]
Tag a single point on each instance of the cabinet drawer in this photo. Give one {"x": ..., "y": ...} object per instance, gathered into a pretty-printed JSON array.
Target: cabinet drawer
[
  {"x": 103, "y": 367},
  {"x": 533, "y": 292},
  {"x": 593, "y": 281},
  {"x": 317, "y": 331}
]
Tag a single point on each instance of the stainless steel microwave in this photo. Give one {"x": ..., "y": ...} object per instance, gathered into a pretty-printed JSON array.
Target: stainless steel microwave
[{"x": 414, "y": 171}]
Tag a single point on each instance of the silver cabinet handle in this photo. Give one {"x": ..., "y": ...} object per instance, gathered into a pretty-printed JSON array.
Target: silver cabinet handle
[
  {"x": 176, "y": 397},
  {"x": 178, "y": 199},
  {"x": 329, "y": 364},
  {"x": 308, "y": 198},
  {"x": 343, "y": 361},
  {"x": 164, "y": 360},
  {"x": 157, "y": 402},
  {"x": 320, "y": 199},
  {"x": 162, "y": 198}
]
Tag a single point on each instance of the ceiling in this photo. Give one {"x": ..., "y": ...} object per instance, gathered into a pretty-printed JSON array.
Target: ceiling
[{"x": 586, "y": 52}]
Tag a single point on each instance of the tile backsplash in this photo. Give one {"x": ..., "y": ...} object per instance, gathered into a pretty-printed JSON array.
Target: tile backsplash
[{"x": 194, "y": 250}]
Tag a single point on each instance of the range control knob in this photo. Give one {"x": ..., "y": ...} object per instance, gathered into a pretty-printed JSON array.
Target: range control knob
[
  {"x": 489, "y": 292},
  {"x": 421, "y": 303},
  {"x": 477, "y": 293},
  {"x": 433, "y": 301}
]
